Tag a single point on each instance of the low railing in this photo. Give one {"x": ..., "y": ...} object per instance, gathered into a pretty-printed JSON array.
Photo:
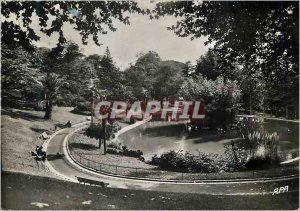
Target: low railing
[{"x": 158, "y": 174}]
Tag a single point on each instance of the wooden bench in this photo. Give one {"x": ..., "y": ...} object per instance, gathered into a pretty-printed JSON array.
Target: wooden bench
[{"x": 91, "y": 182}]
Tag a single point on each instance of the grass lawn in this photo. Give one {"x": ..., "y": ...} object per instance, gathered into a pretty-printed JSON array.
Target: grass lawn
[
  {"x": 88, "y": 147},
  {"x": 19, "y": 135}
]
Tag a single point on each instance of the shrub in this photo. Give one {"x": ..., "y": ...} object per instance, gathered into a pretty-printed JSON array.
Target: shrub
[
  {"x": 186, "y": 162},
  {"x": 83, "y": 108},
  {"x": 126, "y": 152},
  {"x": 114, "y": 145},
  {"x": 112, "y": 151},
  {"x": 234, "y": 158},
  {"x": 261, "y": 147},
  {"x": 124, "y": 148}
]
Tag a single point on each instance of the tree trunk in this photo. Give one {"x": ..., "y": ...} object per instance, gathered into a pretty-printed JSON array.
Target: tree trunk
[
  {"x": 48, "y": 112},
  {"x": 104, "y": 135}
]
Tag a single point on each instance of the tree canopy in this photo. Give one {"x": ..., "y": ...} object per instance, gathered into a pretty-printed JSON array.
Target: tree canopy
[
  {"x": 254, "y": 33},
  {"x": 90, "y": 18}
]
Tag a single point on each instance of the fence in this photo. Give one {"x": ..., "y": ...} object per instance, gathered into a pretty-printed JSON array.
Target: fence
[{"x": 180, "y": 176}]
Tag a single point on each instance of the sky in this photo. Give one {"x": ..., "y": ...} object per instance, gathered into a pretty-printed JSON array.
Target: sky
[{"x": 142, "y": 35}]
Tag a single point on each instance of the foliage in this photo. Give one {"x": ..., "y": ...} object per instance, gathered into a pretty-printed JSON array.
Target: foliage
[
  {"x": 236, "y": 36},
  {"x": 83, "y": 108},
  {"x": 89, "y": 18},
  {"x": 263, "y": 149},
  {"x": 96, "y": 130},
  {"x": 140, "y": 77},
  {"x": 51, "y": 84},
  {"x": 19, "y": 77},
  {"x": 261, "y": 36},
  {"x": 151, "y": 77},
  {"x": 222, "y": 97},
  {"x": 234, "y": 158},
  {"x": 186, "y": 162},
  {"x": 125, "y": 152},
  {"x": 168, "y": 80},
  {"x": 109, "y": 81},
  {"x": 261, "y": 146}
]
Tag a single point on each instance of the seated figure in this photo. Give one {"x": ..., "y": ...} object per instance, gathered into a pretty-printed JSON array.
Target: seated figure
[{"x": 68, "y": 124}]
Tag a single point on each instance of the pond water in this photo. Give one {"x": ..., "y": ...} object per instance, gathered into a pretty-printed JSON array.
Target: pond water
[{"x": 159, "y": 137}]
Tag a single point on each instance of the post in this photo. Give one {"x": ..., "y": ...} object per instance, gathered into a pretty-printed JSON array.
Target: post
[
  {"x": 250, "y": 105},
  {"x": 92, "y": 109},
  {"x": 104, "y": 135}
]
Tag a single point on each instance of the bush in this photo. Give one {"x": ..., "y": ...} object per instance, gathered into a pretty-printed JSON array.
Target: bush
[
  {"x": 112, "y": 151},
  {"x": 124, "y": 148},
  {"x": 114, "y": 145},
  {"x": 186, "y": 162},
  {"x": 126, "y": 152},
  {"x": 83, "y": 108},
  {"x": 234, "y": 158}
]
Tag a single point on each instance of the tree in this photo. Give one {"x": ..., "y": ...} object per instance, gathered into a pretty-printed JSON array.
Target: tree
[
  {"x": 262, "y": 36},
  {"x": 90, "y": 18},
  {"x": 207, "y": 66},
  {"x": 139, "y": 77},
  {"x": 242, "y": 31},
  {"x": 220, "y": 96},
  {"x": 135, "y": 80},
  {"x": 51, "y": 84},
  {"x": 63, "y": 66},
  {"x": 19, "y": 79},
  {"x": 109, "y": 83},
  {"x": 168, "y": 79}
]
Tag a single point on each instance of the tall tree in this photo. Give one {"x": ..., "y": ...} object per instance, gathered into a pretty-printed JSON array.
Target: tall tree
[
  {"x": 207, "y": 65},
  {"x": 141, "y": 75},
  {"x": 262, "y": 36},
  {"x": 64, "y": 67},
  {"x": 168, "y": 79},
  {"x": 19, "y": 81},
  {"x": 51, "y": 83}
]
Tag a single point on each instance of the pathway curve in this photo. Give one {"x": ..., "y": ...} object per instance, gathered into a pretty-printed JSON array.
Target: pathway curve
[{"x": 64, "y": 168}]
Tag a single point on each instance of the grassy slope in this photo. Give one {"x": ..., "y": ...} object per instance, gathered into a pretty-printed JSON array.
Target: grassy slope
[{"x": 19, "y": 135}]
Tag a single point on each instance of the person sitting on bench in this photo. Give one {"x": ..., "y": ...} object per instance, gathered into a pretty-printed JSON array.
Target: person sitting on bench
[{"x": 68, "y": 124}]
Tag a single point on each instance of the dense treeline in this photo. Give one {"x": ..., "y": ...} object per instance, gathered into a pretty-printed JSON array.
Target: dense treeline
[{"x": 251, "y": 67}]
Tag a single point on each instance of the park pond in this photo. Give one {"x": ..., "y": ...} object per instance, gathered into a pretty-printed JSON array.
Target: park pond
[{"x": 159, "y": 137}]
